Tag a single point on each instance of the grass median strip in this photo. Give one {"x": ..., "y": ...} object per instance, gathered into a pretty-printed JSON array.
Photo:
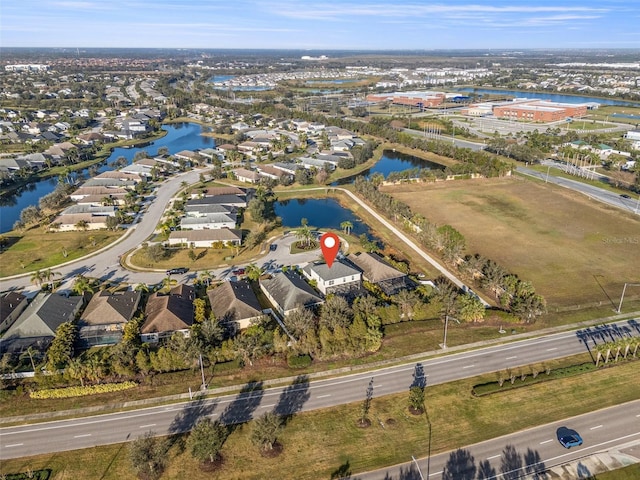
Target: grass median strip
[{"x": 320, "y": 442}]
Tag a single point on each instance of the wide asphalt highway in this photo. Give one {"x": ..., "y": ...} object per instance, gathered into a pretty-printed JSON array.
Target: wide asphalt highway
[
  {"x": 25, "y": 440},
  {"x": 631, "y": 205},
  {"x": 537, "y": 448}
]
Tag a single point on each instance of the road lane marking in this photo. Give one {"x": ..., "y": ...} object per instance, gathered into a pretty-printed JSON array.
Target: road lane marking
[
  {"x": 596, "y": 427},
  {"x": 511, "y": 358},
  {"x": 267, "y": 406},
  {"x": 552, "y": 349},
  {"x": 435, "y": 473},
  {"x": 546, "y": 441},
  {"x": 147, "y": 426},
  {"x": 494, "y": 456},
  {"x": 14, "y": 445},
  {"x": 468, "y": 366},
  {"x": 83, "y": 435},
  {"x": 117, "y": 416},
  {"x": 324, "y": 396}
]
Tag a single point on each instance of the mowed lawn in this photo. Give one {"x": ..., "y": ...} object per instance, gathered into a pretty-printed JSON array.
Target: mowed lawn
[
  {"x": 574, "y": 250},
  {"x": 321, "y": 443}
]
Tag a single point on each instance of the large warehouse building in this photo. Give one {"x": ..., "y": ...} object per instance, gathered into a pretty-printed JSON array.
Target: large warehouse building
[
  {"x": 530, "y": 110},
  {"x": 540, "y": 111},
  {"x": 415, "y": 99}
]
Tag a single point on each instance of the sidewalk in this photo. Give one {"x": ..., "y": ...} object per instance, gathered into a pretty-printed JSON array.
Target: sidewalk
[
  {"x": 108, "y": 408},
  {"x": 599, "y": 462}
]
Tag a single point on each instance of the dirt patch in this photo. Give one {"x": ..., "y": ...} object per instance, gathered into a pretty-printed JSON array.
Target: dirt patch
[
  {"x": 416, "y": 411},
  {"x": 573, "y": 249},
  {"x": 363, "y": 423},
  {"x": 273, "y": 452},
  {"x": 209, "y": 466}
]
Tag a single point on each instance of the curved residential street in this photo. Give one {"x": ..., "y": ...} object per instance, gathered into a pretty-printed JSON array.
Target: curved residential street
[{"x": 106, "y": 262}]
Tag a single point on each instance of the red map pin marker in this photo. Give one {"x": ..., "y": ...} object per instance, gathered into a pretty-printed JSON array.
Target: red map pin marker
[{"x": 330, "y": 245}]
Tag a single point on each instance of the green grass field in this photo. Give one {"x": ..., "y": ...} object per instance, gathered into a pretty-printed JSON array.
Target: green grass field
[
  {"x": 39, "y": 249},
  {"x": 575, "y": 251}
]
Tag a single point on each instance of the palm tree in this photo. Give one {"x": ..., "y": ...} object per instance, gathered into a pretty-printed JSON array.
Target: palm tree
[
  {"x": 48, "y": 274},
  {"x": 304, "y": 235},
  {"x": 30, "y": 352},
  {"x": 346, "y": 226},
  {"x": 82, "y": 225},
  {"x": 82, "y": 284},
  {"x": 37, "y": 277},
  {"x": 254, "y": 272},
  {"x": 206, "y": 276}
]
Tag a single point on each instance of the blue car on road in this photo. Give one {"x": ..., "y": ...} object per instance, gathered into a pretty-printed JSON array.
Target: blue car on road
[{"x": 568, "y": 438}]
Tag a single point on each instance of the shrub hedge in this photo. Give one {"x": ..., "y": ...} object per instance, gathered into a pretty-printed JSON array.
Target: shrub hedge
[{"x": 82, "y": 391}]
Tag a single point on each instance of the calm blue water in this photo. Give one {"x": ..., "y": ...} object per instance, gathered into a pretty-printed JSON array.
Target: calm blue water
[
  {"x": 336, "y": 81},
  {"x": 553, "y": 97},
  {"x": 393, "y": 162},
  {"x": 626, "y": 115},
  {"x": 180, "y": 136},
  {"x": 320, "y": 212},
  {"x": 398, "y": 162},
  {"x": 221, "y": 78}
]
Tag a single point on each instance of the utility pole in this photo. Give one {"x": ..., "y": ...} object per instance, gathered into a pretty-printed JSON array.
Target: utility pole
[
  {"x": 204, "y": 386},
  {"x": 446, "y": 325},
  {"x": 619, "y": 310}
]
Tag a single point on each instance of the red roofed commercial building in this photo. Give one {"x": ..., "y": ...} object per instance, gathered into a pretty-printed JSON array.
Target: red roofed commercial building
[
  {"x": 414, "y": 99},
  {"x": 539, "y": 111}
]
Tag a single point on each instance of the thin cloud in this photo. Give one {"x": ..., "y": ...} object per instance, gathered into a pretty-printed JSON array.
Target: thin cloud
[
  {"x": 78, "y": 5},
  {"x": 325, "y": 11}
]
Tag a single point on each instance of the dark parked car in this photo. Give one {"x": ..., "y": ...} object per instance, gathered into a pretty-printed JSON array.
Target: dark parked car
[
  {"x": 273, "y": 247},
  {"x": 177, "y": 271},
  {"x": 624, "y": 195},
  {"x": 568, "y": 438}
]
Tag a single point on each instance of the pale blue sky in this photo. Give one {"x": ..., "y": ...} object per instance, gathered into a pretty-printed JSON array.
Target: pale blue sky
[{"x": 321, "y": 24}]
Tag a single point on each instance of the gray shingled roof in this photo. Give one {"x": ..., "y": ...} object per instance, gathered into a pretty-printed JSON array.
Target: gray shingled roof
[
  {"x": 290, "y": 291},
  {"x": 217, "y": 200},
  {"x": 337, "y": 270},
  {"x": 44, "y": 315},
  {"x": 106, "y": 308},
  {"x": 374, "y": 268},
  {"x": 167, "y": 313},
  {"x": 234, "y": 301}
]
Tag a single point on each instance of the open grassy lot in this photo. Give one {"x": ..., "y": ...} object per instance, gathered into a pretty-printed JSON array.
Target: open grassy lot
[
  {"x": 575, "y": 251},
  {"x": 318, "y": 443},
  {"x": 632, "y": 472},
  {"x": 39, "y": 249}
]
